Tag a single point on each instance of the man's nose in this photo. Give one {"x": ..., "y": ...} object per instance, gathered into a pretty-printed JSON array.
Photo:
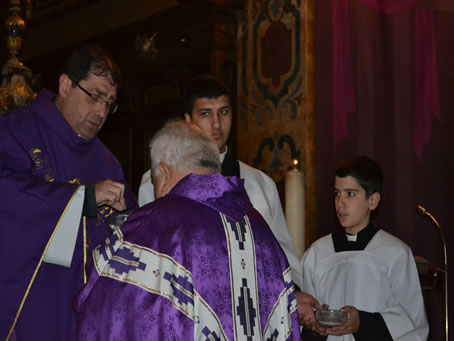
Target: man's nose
[
  {"x": 102, "y": 110},
  {"x": 340, "y": 201},
  {"x": 216, "y": 122}
]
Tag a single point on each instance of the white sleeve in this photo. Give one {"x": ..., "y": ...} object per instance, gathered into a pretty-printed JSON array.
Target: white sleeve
[
  {"x": 308, "y": 266},
  {"x": 279, "y": 227},
  {"x": 63, "y": 240},
  {"x": 406, "y": 320},
  {"x": 146, "y": 191}
]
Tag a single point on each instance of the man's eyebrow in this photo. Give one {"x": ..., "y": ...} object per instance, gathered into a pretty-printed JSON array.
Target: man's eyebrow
[{"x": 103, "y": 94}]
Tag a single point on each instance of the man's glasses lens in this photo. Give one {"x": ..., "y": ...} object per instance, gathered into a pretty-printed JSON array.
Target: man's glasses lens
[{"x": 111, "y": 106}]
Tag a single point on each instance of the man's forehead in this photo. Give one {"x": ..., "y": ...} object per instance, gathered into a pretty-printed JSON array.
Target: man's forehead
[
  {"x": 102, "y": 85},
  {"x": 213, "y": 102},
  {"x": 347, "y": 182}
]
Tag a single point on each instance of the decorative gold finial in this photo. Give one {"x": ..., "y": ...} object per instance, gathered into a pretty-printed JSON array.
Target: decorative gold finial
[
  {"x": 14, "y": 27},
  {"x": 15, "y": 89}
]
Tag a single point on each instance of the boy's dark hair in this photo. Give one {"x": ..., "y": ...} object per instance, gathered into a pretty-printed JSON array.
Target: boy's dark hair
[
  {"x": 365, "y": 170},
  {"x": 204, "y": 87},
  {"x": 91, "y": 59}
]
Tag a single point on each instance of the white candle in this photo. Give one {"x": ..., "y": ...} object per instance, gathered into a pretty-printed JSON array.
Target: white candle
[{"x": 295, "y": 207}]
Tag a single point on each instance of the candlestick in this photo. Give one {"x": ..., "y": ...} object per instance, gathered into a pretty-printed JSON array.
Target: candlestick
[{"x": 295, "y": 207}]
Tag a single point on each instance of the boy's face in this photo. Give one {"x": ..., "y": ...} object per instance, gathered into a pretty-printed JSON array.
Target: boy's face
[
  {"x": 352, "y": 207},
  {"x": 214, "y": 117}
]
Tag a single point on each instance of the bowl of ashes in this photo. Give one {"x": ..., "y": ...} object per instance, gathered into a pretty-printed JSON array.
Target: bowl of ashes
[{"x": 329, "y": 318}]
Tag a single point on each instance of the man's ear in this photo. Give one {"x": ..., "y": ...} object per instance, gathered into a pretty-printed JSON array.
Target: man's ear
[
  {"x": 374, "y": 200},
  {"x": 64, "y": 85},
  {"x": 187, "y": 117},
  {"x": 166, "y": 177}
]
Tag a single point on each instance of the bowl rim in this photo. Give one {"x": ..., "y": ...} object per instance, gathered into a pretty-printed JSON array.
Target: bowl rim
[{"x": 333, "y": 314}]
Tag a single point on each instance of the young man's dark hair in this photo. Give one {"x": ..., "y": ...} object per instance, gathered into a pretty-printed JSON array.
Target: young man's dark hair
[
  {"x": 203, "y": 87},
  {"x": 365, "y": 170},
  {"x": 91, "y": 59}
]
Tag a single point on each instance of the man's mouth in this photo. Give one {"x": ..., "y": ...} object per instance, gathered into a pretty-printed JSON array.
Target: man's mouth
[{"x": 93, "y": 124}]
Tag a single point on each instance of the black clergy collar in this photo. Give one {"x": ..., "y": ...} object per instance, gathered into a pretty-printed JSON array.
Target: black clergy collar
[
  {"x": 341, "y": 243},
  {"x": 230, "y": 166}
]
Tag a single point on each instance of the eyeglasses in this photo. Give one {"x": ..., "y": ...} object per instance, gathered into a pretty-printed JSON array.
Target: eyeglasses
[{"x": 110, "y": 106}]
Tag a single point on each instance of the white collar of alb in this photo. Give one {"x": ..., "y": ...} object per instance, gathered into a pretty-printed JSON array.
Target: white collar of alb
[
  {"x": 351, "y": 238},
  {"x": 222, "y": 155}
]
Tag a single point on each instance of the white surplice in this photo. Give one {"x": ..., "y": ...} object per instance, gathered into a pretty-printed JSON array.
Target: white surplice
[{"x": 381, "y": 278}]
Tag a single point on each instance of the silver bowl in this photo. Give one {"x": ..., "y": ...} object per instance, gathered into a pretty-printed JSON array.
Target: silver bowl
[
  {"x": 331, "y": 317},
  {"x": 116, "y": 221}
]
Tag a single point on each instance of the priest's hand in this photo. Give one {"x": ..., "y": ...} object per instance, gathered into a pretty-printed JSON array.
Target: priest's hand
[
  {"x": 110, "y": 193},
  {"x": 350, "y": 326},
  {"x": 306, "y": 304}
]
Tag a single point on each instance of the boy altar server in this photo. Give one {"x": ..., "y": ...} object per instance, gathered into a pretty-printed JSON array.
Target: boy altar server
[{"x": 362, "y": 269}]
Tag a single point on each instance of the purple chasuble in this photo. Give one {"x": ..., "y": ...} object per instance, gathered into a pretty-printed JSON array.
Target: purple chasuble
[
  {"x": 198, "y": 264},
  {"x": 42, "y": 164}
]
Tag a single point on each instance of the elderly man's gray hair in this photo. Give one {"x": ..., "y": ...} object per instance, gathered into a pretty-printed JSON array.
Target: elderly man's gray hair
[{"x": 184, "y": 147}]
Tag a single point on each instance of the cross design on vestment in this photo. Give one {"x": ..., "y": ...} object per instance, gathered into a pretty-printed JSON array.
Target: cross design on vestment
[
  {"x": 211, "y": 335},
  {"x": 124, "y": 261},
  {"x": 182, "y": 288},
  {"x": 239, "y": 230},
  {"x": 246, "y": 311}
]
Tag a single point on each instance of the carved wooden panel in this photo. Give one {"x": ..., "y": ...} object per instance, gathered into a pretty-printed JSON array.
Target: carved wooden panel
[{"x": 276, "y": 92}]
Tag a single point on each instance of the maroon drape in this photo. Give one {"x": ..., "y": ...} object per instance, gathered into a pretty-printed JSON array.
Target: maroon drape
[
  {"x": 426, "y": 94},
  {"x": 387, "y": 68},
  {"x": 390, "y": 6},
  {"x": 427, "y": 102},
  {"x": 344, "y": 93}
]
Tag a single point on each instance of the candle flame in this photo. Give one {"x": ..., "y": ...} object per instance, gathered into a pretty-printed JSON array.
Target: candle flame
[{"x": 295, "y": 162}]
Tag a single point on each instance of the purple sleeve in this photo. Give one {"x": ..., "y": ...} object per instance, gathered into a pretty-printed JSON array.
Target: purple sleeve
[{"x": 29, "y": 211}]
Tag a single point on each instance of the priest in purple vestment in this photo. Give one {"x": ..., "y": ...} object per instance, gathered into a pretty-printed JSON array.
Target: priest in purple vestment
[
  {"x": 58, "y": 184},
  {"x": 199, "y": 263}
]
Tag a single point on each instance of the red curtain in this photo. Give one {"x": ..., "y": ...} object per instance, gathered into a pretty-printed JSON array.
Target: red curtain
[
  {"x": 426, "y": 78},
  {"x": 384, "y": 88},
  {"x": 390, "y": 6}
]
